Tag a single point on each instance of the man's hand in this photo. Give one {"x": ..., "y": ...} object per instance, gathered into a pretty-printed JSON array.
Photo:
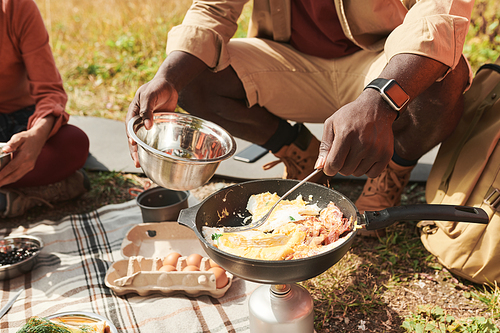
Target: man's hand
[
  {"x": 358, "y": 138},
  {"x": 155, "y": 96},
  {"x": 162, "y": 93}
]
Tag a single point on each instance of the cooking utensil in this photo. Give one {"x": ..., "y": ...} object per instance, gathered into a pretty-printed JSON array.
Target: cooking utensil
[
  {"x": 233, "y": 199},
  {"x": 160, "y": 204},
  {"x": 264, "y": 218},
  {"x": 22, "y": 267},
  {"x": 180, "y": 152},
  {"x": 9, "y": 304}
]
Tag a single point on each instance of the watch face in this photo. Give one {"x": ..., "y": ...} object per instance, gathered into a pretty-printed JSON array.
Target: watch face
[{"x": 396, "y": 94}]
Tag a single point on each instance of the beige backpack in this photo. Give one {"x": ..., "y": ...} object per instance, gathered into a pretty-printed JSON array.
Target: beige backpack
[{"x": 467, "y": 172}]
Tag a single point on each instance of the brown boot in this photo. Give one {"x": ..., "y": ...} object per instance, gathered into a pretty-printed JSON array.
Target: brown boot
[
  {"x": 299, "y": 157},
  {"x": 18, "y": 203},
  {"x": 22, "y": 199},
  {"x": 383, "y": 192}
]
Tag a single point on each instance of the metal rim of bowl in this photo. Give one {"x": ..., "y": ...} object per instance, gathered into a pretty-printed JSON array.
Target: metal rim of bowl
[
  {"x": 153, "y": 191},
  {"x": 34, "y": 239},
  {"x": 87, "y": 315},
  {"x": 149, "y": 149},
  {"x": 2, "y": 154}
]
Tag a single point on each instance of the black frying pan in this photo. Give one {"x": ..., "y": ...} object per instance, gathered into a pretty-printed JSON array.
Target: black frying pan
[{"x": 234, "y": 199}]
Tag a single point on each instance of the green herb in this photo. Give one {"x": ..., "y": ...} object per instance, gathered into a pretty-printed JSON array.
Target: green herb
[
  {"x": 291, "y": 218},
  {"x": 42, "y": 325},
  {"x": 216, "y": 237}
]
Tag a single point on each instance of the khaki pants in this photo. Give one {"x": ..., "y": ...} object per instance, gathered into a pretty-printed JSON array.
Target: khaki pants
[{"x": 296, "y": 86}]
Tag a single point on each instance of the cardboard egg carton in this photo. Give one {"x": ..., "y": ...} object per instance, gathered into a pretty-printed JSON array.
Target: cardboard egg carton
[{"x": 141, "y": 274}]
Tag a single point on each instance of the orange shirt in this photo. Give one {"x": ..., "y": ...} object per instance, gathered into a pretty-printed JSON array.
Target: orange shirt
[
  {"x": 28, "y": 74},
  {"x": 316, "y": 30}
]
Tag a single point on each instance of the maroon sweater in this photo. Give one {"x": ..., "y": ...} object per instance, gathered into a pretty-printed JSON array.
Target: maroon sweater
[
  {"x": 316, "y": 30},
  {"x": 28, "y": 74}
]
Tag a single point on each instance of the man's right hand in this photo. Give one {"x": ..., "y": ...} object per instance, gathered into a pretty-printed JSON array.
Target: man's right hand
[
  {"x": 162, "y": 92},
  {"x": 158, "y": 95}
]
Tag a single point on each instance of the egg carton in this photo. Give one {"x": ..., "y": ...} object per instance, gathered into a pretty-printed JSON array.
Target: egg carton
[{"x": 141, "y": 275}]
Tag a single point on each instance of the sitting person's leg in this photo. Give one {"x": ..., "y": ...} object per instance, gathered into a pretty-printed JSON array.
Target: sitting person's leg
[
  {"x": 269, "y": 84},
  {"x": 57, "y": 175}
]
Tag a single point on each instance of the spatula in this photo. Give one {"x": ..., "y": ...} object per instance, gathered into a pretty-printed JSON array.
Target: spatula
[{"x": 264, "y": 218}]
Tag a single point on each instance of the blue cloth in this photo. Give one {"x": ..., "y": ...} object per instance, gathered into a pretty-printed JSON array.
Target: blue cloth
[{"x": 3, "y": 202}]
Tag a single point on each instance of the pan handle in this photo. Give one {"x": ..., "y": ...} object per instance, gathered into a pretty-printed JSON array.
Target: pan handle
[
  {"x": 375, "y": 220},
  {"x": 187, "y": 216}
]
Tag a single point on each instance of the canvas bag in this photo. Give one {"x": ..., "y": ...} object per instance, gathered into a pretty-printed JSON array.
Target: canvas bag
[{"x": 467, "y": 172}]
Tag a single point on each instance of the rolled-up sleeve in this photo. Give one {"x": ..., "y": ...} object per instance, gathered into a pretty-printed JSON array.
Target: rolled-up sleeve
[
  {"x": 205, "y": 31},
  {"x": 435, "y": 29},
  {"x": 45, "y": 82}
]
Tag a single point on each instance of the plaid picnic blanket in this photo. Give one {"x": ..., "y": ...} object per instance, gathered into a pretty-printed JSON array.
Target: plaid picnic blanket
[{"x": 69, "y": 276}]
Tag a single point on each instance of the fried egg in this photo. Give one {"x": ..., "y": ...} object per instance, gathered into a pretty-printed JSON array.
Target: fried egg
[
  {"x": 278, "y": 238},
  {"x": 287, "y": 210}
]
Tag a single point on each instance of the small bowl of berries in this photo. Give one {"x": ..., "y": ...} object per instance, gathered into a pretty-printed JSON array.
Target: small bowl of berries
[{"x": 18, "y": 255}]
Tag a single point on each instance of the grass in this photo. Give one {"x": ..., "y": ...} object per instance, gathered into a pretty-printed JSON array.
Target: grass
[
  {"x": 106, "y": 49},
  {"x": 104, "y": 58}
]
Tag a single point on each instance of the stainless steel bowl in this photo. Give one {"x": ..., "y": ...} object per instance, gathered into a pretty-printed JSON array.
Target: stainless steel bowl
[
  {"x": 4, "y": 158},
  {"x": 11, "y": 271},
  {"x": 160, "y": 204},
  {"x": 181, "y": 152}
]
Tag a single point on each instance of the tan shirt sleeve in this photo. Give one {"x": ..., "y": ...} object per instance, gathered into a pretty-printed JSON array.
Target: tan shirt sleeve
[
  {"x": 45, "y": 82},
  {"x": 431, "y": 28},
  {"x": 206, "y": 30},
  {"x": 435, "y": 29}
]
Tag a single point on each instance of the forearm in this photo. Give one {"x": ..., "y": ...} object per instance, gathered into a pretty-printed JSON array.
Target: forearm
[
  {"x": 43, "y": 127},
  {"x": 413, "y": 72},
  {"x": 180, "y": 68}
]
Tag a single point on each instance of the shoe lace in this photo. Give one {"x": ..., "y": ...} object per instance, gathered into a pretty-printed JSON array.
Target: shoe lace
[
  {"x": 387, "y": 183},
  {"x": 43, "y": 201},
  {"x": 291, "y": 165}
]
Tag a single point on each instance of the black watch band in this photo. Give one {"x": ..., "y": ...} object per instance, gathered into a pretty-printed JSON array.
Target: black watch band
[{"x": 391, "y": 92}]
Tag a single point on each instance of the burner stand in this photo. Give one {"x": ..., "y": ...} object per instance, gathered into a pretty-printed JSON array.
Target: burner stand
[{"x": 281, "y": 308}]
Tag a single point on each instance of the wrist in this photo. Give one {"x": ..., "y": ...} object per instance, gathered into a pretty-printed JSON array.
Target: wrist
[
  {"x": 391, "y": 92},
  {"x": 44, "y": 126},
  {"x": 379, "y": 107}
]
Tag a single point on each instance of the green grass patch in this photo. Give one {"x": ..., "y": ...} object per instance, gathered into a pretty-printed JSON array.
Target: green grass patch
[{"x": 434, "y": 319}]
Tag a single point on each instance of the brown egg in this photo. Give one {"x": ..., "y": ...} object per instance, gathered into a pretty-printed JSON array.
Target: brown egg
[
  {"x": 171, "y": 259},
  {"x": 190, "y": 268},
  {"x": 213, "y": 263},
  {"x": 167, "y": 268},
  {"x": 194, "y": 260},
  {"x": 221, "y": 278}
]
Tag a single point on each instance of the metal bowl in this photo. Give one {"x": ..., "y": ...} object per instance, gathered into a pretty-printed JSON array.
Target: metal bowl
[
  {"x": 82, "y": 317},
  {"x": 4, "y": 158},
  {"x": 180, "y": 152},
  {"x": 11, "y": 271},
  {"x": 160, "y": 204}
]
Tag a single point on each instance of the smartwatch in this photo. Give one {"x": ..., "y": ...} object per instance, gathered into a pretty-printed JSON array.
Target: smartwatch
[{"x": 391, "y": 92}]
